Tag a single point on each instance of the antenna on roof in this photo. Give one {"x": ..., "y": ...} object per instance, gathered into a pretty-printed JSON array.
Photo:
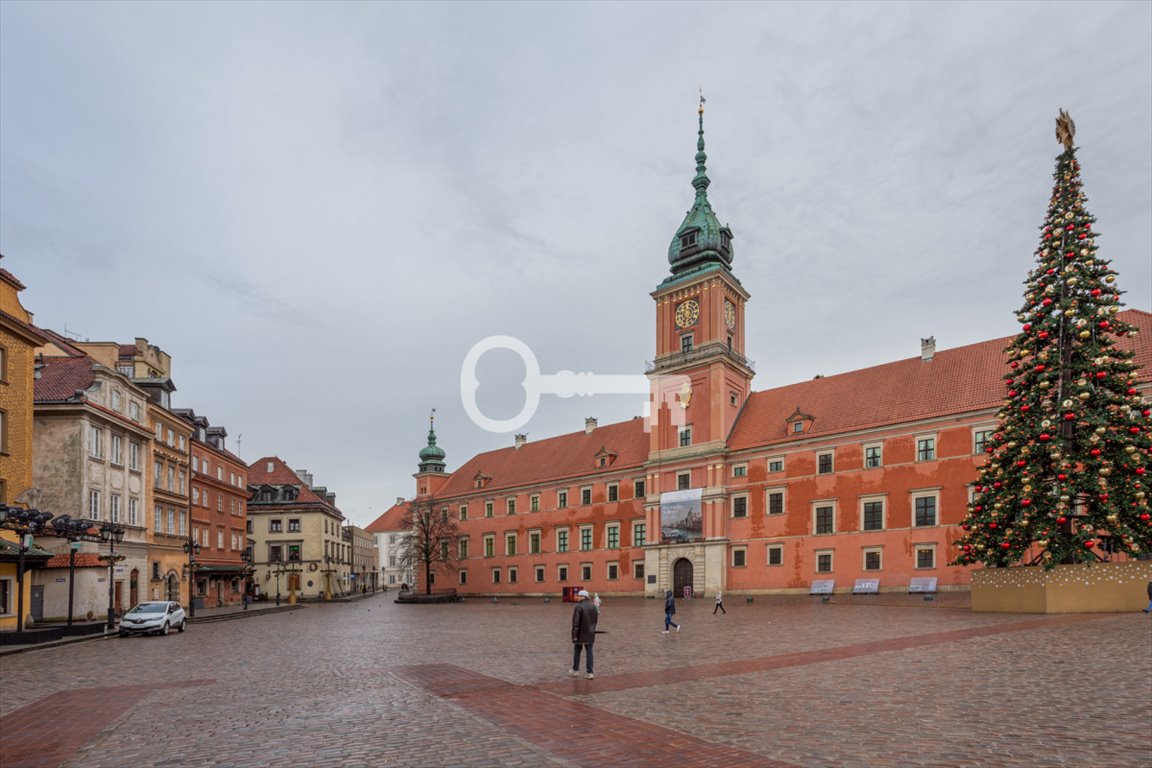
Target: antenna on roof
[
  {"x": 239, "y": 441},
  {"x": 72, "y": 334}
]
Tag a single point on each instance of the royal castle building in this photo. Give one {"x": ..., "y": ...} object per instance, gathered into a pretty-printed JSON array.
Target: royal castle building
[{"x": 862, "y": 475}]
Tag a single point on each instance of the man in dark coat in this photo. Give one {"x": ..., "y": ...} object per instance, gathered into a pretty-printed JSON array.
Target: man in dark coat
[{"x": 583, "y": 632}]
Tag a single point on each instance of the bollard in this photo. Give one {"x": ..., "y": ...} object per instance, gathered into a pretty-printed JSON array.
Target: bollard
[{"x": 748, "y": 599}]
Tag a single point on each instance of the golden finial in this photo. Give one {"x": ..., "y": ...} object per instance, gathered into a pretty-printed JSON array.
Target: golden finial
[
  {"x": 432, "y": 418},
  {"x": 1065, "y": 129},
  {"x": 701, "y": 110}
]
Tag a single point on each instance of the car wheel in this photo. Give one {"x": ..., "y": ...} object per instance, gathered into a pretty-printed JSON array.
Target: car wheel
[
  {"x": 183, "y": 625},
  {"x": 164, "y": 629}
]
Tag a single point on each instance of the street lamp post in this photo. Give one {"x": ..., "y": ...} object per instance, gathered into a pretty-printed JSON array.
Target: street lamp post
[
  {"x": 113, "y": 535},
  {"x": 191, "y": 548},
  {"x": 27, "y": 523}
]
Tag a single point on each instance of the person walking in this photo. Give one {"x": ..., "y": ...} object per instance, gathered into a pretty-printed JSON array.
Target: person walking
[
  {"x": 245, "y": 600},
  {"x": 669, "y": 612},
  {"x": 583, "y": 633},
  {"x": 719, "y": 603},
  {"x": 1149, "y": 608}
]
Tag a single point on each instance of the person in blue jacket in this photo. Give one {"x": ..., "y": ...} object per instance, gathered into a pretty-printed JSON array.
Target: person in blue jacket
[{"x": 669, "y": 611}]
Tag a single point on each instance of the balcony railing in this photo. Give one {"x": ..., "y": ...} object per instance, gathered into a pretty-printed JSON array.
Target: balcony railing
[{"x": 711, "y": 349}]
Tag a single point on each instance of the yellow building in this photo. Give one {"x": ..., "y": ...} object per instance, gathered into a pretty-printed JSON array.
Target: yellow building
[{"x": 18, "y": 342}]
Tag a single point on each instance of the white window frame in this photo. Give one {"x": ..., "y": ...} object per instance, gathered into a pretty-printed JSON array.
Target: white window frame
[
  {"x": 612, "y": 493},
  {"x": 134, "y": 455},
  {"x": 608, "y": 566},
  {"x": 927, "y": 436},
  {"x": 824, "y": 503},
  {"x": 95, "y": 510},
  {"x": 510, "y": 542},
  {"x": 539, "y": 539},
  {"x": 783, "y": 491},
  {"x": 643, "y": 539},
  {"x": 117, "y": 450},
  {"x": 768, "y": 556},
  {"x": 562, "y": 572},
  {"x": 917, "y": 549},
  {"x": 686, "y": 486},
  {"x": 879, "y": 551},
  {"x": 489, "y": 545},
  {"x": 879, "y": 446},
  {"x": 133, "y": 511},
  {"x": 534, "y": 503},
  {"x": 95, "y": 442},
  {"x": 740, "y": 470},
  {"x": 510, "y": 505},
  {"x": 114, "y": 507},
  {"x": 831, "y": 553},
  {"x": 772, "y": 460},
  {"x": 565, "y": 533},
  {"x": 831, "y": 452},
  {"x": 979, "y": 429},
  {"x": 743, "y": 551},
  {"x": 591, "y": 538},
  {"x": 747, "y": 507},
  {"x": 873, "y": 498},
  {"x": 926, "y": 493},
  {"x": 609, "y": 528}
]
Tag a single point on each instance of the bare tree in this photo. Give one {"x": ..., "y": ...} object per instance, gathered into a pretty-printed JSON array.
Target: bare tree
[{"x": 431, "y": 540}]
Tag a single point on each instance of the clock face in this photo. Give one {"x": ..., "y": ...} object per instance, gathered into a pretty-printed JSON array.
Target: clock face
[
  {"x": 730, "y": 314},
  {"x": 687, "y": 313}
]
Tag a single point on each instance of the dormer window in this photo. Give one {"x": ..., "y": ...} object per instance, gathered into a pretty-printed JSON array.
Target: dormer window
[
  {"x": 481, "y": 480},
  {"x": 797, "y": 426},
  {"x": 725, "y": 240},
  {"x": 688, "y": 239},
  {"x": 799, "y": 422},
  {"x": 605, "y": 457}
]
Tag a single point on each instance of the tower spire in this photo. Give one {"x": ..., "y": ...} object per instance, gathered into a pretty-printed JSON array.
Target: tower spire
[
  {"x": 701, "y": 242},
  {"x": 432, "y": 455}
]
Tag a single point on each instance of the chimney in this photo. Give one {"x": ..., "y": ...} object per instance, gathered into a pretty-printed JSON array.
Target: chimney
[
  {"x": 927, "y": 349},
  {"x": 521, "y": 439},
  {"x": 589, "y": 424},
  {"x": 399, "y": 499}
]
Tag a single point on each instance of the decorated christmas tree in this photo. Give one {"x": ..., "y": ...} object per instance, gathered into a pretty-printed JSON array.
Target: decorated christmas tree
[{"x": 1067, "y": 473}]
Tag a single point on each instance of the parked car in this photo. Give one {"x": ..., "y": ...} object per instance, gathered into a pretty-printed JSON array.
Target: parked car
[{"x": 153, "y": 617}]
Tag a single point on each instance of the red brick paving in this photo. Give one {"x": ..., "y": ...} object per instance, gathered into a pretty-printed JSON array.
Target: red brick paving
[
  {"x": 581, "y": 734},
  {"x": 48, "y": 732}
]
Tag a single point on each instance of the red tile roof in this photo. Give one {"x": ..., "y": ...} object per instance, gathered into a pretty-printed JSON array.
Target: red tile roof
[
  {"x": 127, "y": 350},
  {"x": 392, "y": 520},
  {"x": 282, "y": 474},
  {"x": 31, "y": 330},
  {"x": 63, "y": 343},
  {"x": 61, "y": 377},
  {"x": 83, "y": 560},
  {"x": 11, "y": 278},
  {"x": 955, "y": 381},
  {"x": 570, "y": 455}
]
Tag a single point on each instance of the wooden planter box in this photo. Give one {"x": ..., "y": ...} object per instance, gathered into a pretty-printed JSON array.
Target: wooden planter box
[{"x": 1081, "y": 588}]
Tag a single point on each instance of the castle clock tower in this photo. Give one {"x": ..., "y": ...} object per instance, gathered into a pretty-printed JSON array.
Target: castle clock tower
[{"x": 700, "y": 330}]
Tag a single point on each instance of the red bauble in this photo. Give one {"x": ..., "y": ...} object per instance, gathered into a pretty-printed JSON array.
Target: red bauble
[
  {"x": 1103, "y": 497},
  {"x": 1146, "y": 516},
  {"x": 1131, "y": 391},
  {"x": 1070, "y": 227},
  {"x": 1021, "y": 463},
  {"x": 1027, "y": 327},
  {"x": 1047, "y": 302},
  {"x": 1100, "y": 374},
  {"x": 1070, "y": 255},
  {"x": 1025, "y": 408},
  {"x": 1089, "y": 544},
  {"x": 1045, "y": 437},
  {"x": 1094, "y": 452},
  {"x": 1061, "y": 476},
  {"x": 1095, "y": 291},
  {"x": 1140, "y": 470},
  {"x": 1012, "y": 393},
  {"x": 996, "y": 484},
  {"x": 1041, "y": 368},
  {"x": 1061, "y": 519},
  {"x": 1013, "y": 364},
  {"x": 1105, "y": 324},
  {"x": 993, "y": 526},
  {"x": 1134, "y": 430},
  {"x": 1043, "y": 334},
  {"x": 1025, "y": 502},
  {"x": 1005, "y": 545},
  {"x": 966, "y": 527},
  {"x": 1069, "y": 417},
  {"x": 967, "y": 548}
]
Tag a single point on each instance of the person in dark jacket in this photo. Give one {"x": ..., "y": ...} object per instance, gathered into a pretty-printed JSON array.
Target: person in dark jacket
[
  {"x": 583, "y": 633},
  {"x": 669, "y": 611},
  {"x": 1149, "y": 608}
]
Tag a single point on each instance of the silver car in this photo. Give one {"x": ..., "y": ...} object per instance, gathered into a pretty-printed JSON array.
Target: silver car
[{"x": 157, "y": 617}]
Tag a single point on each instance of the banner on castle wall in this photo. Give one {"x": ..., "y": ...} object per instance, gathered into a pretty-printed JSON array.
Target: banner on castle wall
[{"x": 681, "y": 515}]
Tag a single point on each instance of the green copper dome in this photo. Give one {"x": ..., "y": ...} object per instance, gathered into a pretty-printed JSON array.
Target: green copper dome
[
  {"x": 431, "y": 455},
  {"x": 700, "y": 240}
]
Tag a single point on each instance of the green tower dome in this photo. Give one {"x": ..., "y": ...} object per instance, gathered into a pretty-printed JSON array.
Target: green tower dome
[
  {"x": 432, "y": 455},
  {"x": 701, "y": 240}
]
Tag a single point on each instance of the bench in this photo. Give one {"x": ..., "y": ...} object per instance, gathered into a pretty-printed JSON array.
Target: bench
[
  {"x": 824, "y": 588},
  {"x": 925, "y": 585},
  {"x": 866, "y": 587}
]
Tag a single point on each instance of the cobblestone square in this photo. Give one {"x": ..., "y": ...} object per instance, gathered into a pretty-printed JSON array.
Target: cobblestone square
[{"x": 776, "y": 682}]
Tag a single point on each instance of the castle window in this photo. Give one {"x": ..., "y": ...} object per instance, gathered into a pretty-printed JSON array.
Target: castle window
[
  {"x": 686, "y": 343},
  {"x": 725, "y": 240},
  {"x": 688, "y": 239},
  {"x": 686, "y": 436}
]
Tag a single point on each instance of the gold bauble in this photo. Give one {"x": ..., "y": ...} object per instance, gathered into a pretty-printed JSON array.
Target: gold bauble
[
  {"x": 1129, "y": 449},
  {"x": 1084, "y": 395},
  {"x": 1042, "y": 542},
  {"x": 1072, "y": 281},
  {"x": 1110, "y": 279},
  {"x": 1065, "y": 498},
  {"x": 1112, "y": 518},
  {"x": 1085, "y": 334},
  {"x": 1105, "y": 471},
  {"x": 1101, "y": 430}
]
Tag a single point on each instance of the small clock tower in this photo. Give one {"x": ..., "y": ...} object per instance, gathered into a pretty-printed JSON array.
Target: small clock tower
[{"x": 700, "y": 329}]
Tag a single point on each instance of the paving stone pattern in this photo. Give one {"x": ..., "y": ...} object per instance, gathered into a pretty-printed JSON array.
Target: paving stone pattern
[{"x": 479, "y": 684}]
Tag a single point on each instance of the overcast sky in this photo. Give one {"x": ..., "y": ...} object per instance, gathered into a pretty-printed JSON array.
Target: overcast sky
[{"x": 317, "y": 209}]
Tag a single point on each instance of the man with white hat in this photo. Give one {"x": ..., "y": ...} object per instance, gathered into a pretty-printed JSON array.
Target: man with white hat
[{"x": 583, "y": 632}]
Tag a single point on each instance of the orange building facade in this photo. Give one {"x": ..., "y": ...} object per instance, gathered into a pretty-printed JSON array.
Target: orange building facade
[{"x": 860, "y": 476}]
